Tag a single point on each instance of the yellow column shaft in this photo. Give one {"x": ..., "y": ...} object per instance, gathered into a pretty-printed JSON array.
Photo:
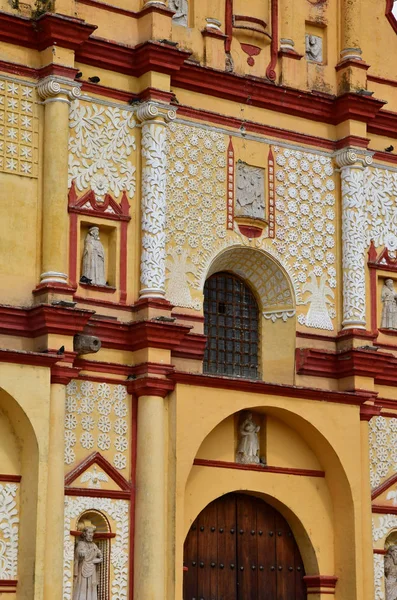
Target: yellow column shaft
[
  {"x": 55, "y": 186},
  {"x": 351, "y": 24},
  {"x": 367, "y": 545},
  {"x": 150, "y": 498},
  {"x": 53, "y": 580}
]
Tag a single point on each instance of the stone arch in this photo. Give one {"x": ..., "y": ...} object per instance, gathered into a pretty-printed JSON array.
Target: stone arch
[
  {"x": 21, "y": 428},
  {"x": 274, "y": 288}
]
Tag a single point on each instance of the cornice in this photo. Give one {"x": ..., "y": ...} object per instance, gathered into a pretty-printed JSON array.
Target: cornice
[
  {"x": 34, "y": 359},
  {"x": 48, "y": 30},
  {"x": 380, "y": 366},
  {"x": 273, "y": 389},
  {"x": 42, "y": 319},
  {"x": 150, "y": 386}
]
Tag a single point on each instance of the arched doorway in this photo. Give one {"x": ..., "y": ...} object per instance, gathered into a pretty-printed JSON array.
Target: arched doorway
[{"x": 241, "y": 548}]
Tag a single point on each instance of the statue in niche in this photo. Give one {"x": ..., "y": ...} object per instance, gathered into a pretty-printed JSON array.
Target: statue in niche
[
  {"x": 248, "y": 446},
  {"x": 181, "y": 8},
  {"x": 389, "y": 300},
  {"x": 314, "y": 48},
  {"x": 250, "y": 194},
  {"x": 87, "y": 557},
  {"x": 391, "y": 573},
  {"x": 93, "y": 270}
]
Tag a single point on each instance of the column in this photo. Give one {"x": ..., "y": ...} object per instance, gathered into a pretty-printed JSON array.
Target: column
[
  {"x": 149, "y": 555},
  {"x": 53, "y": 580},
  {"x": 351, "y": 27},
  {"x": 154, "y": 119},
  {"x": 353, "y": 237},
  {"x": 367, "y": 412},
  {"x": 54, "y": 265}
]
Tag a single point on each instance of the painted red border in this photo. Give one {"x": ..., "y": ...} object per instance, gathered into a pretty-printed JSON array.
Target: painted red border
[
  {"x": 221, "y": 464},
  {"x": 384, "y": 486},
  {"x": 98, "y": 459},
  {"x": 10, "y": 478},
  {"x": 230, "y": 185},
  {"x": 270, "y": 71},
  {"x": 390, "y": 17},
  {"x": 275, "y": 389},
  {"x": 384, "y": 510}
]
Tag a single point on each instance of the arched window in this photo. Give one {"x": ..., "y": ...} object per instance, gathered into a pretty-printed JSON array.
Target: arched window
[{"x": 231, "y": 326}]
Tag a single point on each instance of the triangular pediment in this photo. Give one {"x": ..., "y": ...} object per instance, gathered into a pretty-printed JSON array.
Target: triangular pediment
[
  {"x": 385, "y": 495},
  {"x": 96, "y": 476}
]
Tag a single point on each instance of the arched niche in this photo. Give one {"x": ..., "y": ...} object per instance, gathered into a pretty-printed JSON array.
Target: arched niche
[
  {"x": 19, "y": 458},
  {"x": 276, "y": 297},
  {"x": 102, "y": 536}
]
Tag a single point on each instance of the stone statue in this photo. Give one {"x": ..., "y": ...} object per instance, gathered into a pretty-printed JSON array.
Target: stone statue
[
  {"x": 391, "y": 573},
  {"x": 389, "y": 300},
  {"x": 87, "y": 557},
  {"x": 248, "y": 447},
  {"x": 314, "y": 48},
  {"x": 93, "y": 259},
  {"x": 250, "y": 191},
  {"x": 181, "y": 8}
]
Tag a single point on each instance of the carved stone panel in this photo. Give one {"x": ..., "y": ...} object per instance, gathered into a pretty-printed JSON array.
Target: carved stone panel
[
  {"x": 181, "y": 11},
  {"x": 314, "y": 48},
  {"x": 250, "y": 191}
]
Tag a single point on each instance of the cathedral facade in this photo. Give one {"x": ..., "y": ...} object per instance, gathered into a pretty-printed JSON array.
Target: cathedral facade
[{"x": 198, "y": 318}]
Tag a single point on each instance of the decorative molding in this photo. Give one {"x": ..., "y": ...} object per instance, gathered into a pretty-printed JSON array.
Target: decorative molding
[
  {"x": 320, "y": 584},
  {"x": 221, "y": 464},
  {"x": 270, "y": 71},
  {"x": 261, "y": 387},
  {"x": 97, "y": 459},
  {"x": 150, "y": 386},
  {"x": 230, "y": 185},
  {"x": 191, "y": 347},
  {"x": 273, "y": 315},
  {"x": 35, "y": 359}
]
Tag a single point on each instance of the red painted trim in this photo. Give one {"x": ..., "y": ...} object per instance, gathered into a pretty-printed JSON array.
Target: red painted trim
[
  {"x": 56, "y": 288},
  {"x": 237, "y": 18},
  {"x": 101, "y": 90},
  {"x": 115, "y": 494},
  {"x": 128, "y": 13},
  {"x": 150, "y": 386},
  {"x": 73, "y": 250},
  {"x": 384, "y": 124},
  {"x": 385, "y": 157},
  {"x": 150, "y": 368},
  {"x": 378, "y": 551},
  {"x": 230, "y": 185},
  {"x": 58, "y": 70},
  {"x": 228, "y": 25},
  {"x": 249, "y": 231},
  {"x": 149, "y": 56},
  {"x": 386, "y": 403},
  {"x": 261, "y": 387},
  {"x": 350, "y": 334},
  {"x": 390, "y": 17},
  {"x": 354, "y": 362},
  {"x": 388, "y": 414},
  {"x": 192, "y": 346},
  {"x": 41, "y": 320},
  {"x": 384, "y": 510},
  {"x": 384, "y": 486},
  {"x": 289, "y": 54},
  {"x": 8, "y": 583},
  {"x": 10, "y": 479},
  {"x": 188, "y": 317},
  {"x": 271, "y": 184},
  {"x": 352, "y": 140},
  {"x": 373, "y": 279},
  {"x": 123, "y": 262},
  {"x": 102, "y": 379},
  {"x": 104, "y": 303},
  {"x": 102, "y": 367},
  {"x": 321, "y": 581},
  {"x": 222, "y": 464},
  {"x": 252, "y": 127},
  {"x": 107, "y": 289},
  {"x": 213, "y": 33},
  {"x": 35, "y": 359},
  {"x": 382, "y": 80},
  {"x": 16, "y": 69},
  {"x": 367, "y": 411},
  {"x": 270, "y": 71},
  {"x": 98, "y": 209},
  {"x": 97, "y": 459},
  {"x": 145, "y": 303},
  {"x": 97, "y": 536},
  {"x": 67, "y": 32},
  {"x": 315, "y": 336},
  {"x": 63, "y": 375}
]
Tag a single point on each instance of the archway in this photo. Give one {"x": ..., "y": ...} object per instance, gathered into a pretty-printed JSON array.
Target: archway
[{"x": 241, "y": 548}]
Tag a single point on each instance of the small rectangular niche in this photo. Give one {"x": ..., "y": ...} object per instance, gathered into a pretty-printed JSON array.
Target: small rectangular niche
[
  {"x": 315, "y": 43},
  {"x": 108, "y": 239}
]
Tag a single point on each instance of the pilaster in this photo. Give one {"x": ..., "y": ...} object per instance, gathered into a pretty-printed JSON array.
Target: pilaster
[
  {"x": 352, "y": 167},
  {"x": 154, "y": 119},
  {"x": 56, "y": 93}
]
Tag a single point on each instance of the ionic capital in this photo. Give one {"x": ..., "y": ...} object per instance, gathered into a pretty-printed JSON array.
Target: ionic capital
[
  {"x": 150, "y": 111},
  {"x": 52, "y": 89},
  {"x": 349, "y": 157}
]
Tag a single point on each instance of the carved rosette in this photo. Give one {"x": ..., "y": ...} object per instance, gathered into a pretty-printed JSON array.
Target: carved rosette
[
  {"x": 154, "y": 119},
  {"x": 352, "y": 168}
]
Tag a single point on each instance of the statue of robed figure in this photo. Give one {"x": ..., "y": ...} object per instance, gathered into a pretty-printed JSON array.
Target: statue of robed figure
[{"x": 87, "y": 557}]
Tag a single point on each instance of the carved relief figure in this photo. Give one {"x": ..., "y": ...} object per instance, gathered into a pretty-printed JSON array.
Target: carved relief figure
[
  {"x": 250, "y": 193},
  {"x": 389, "y": 300},
  {"x": 248, "y": 447},
  {"x": 391, "y": 573},
  {"x": 87, "y": 557},
  {"x": 314, "y": 48},
  {"x": 181, "y": 8},
  {"x": 93, "y": 270}
]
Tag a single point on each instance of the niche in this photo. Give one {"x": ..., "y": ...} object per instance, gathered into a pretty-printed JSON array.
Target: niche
[
  {"x": 250, "y": 438},
  {"x": 108, "y": 239}
]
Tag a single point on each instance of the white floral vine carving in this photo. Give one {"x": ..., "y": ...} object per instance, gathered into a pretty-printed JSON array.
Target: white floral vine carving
[
  {"x": 154, "y": 178},
  {"x": 379, "y": 576},
  {"x": 100, "y": 149},
  {"x": 382, "y": 449},
  {"x": 9, "y": 531},
  {"x": 118, "y": 510}
]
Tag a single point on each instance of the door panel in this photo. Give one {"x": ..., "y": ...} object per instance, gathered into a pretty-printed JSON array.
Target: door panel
[{"x": 240, "y": 548}]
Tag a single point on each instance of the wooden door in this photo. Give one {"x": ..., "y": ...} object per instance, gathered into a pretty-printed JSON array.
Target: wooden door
[{"x": 240, "y": 548}]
